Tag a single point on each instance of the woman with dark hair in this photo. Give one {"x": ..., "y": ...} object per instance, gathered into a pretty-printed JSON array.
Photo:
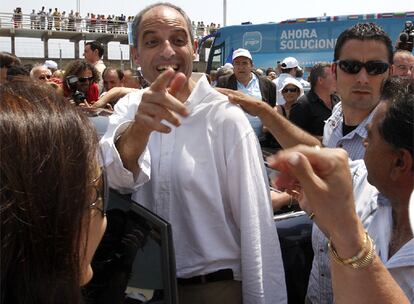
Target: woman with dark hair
[
  {"x": 86, "y": 81},
  {"x": 51, "y": 196}
]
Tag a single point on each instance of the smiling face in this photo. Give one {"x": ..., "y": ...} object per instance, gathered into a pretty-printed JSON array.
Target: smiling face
[
  {"x": 361, "y": 91},
  {"x": 163, "y": 42},
  {"x": 290, "y": 93}
]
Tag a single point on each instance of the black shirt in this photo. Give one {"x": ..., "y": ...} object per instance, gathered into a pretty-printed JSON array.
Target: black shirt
[{"x": 310, "y": 113}]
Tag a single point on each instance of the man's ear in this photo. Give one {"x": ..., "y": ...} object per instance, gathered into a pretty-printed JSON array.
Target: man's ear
[
  {"x": 135, "y": 55},
  {"x": 333, "y": 68},
  {"x": 194, "y": 44},
  {"x": 403, "y": 164}
]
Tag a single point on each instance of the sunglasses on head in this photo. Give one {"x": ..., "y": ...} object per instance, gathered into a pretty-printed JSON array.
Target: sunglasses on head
[
  {"x": 374, "y": 67},
  {"x": 100, "y": 199},
  {"x": 43, "y": 77},
  {"x": 290, "y": 90},
  {"x": 85, "y": 79}
]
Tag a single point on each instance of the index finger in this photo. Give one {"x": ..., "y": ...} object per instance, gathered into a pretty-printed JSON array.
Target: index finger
[
  {"x": 225, "y": 91},
  {"x": 163, "y": 80}
]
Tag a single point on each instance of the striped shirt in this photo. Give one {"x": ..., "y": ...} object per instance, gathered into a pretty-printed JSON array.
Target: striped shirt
[{"x": 351, "y": 142}]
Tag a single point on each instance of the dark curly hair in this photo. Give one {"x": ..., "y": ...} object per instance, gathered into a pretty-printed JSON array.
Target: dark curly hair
[
  {"x": 397, "y": 127},
  {"x": 76, "y": 67}
]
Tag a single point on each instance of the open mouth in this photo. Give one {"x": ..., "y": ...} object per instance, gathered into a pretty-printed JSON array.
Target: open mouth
[{"x": 162, "y": 68}]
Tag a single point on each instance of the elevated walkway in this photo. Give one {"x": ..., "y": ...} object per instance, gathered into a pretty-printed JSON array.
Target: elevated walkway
[{"x": 27, "y": 26}]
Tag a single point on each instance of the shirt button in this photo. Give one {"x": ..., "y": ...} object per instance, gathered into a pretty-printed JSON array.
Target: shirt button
[
  {"x": 322, "y": 275},
  {"x": 321, "y": 250}
]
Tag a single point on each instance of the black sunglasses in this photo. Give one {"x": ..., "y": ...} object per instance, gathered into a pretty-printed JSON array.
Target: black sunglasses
[
  {"x": 374, "y": 67},
  {"x": 292, "y": 90},
  {"x": 101, "y": 193},
  {"x": 84, "y": 79}
]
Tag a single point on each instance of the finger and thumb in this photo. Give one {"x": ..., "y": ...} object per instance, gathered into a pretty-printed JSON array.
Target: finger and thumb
[
  {"x": 300, "y": 167},
  {"x": 163, "y": 80}
]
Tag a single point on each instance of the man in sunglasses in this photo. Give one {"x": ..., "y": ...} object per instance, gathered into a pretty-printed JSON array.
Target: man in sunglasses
[
  {"x": 362, "y": 59},
  {"x": 86, "y": 80},
  {"x": 40, "y": 73}
]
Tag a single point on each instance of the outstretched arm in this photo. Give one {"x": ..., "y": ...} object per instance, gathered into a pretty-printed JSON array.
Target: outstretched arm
[
  {"x": 325, "y": 177},
  {"x": 286, "y": 133}
]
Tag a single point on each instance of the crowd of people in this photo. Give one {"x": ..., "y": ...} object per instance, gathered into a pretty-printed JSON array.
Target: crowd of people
[
  {"x": 100, "y": 23},
  {"x": 191, "y": 151}
]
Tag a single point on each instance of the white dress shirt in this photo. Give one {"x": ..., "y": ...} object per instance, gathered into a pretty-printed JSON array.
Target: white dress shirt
[{"x": 207, "y": 178}]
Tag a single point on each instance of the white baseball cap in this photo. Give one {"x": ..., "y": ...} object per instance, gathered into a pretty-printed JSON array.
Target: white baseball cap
[
  {"x": 50, "y": 64},
  {"x": 289, "y": 63},
  {"x": 241, "y": 53}
]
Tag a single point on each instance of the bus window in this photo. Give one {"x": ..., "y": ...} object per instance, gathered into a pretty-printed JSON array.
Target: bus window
[{"x": 216, "y": 57}]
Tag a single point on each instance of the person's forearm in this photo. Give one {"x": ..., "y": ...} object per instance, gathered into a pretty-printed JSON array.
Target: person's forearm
[
  {"x": 130, "y": 145},
  {"x": 286, "y": 133},
  {"x": 370, "y": 284}
]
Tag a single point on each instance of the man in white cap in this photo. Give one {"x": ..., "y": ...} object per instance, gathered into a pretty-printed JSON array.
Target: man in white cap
[
  {"x": 244, "y": 79},
  {"x": 289, "y": 67},
  {"x": 51, "y": 65}
]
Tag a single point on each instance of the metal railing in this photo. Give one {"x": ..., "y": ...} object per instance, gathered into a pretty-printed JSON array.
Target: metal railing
[{"x": 59, "y": 23}]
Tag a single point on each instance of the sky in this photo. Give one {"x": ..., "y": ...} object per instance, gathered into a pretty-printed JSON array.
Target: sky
[
  {"x": 257, "y": 11},
  {"x": 238, "y": 11}
]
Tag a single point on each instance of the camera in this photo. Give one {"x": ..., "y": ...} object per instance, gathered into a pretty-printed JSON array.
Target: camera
[
  {"x": 71, "y": 82},
  {"x": 406, "y": 38}
]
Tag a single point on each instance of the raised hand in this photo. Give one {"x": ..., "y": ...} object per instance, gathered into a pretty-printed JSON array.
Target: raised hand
[{"x": 159, "y": 103}]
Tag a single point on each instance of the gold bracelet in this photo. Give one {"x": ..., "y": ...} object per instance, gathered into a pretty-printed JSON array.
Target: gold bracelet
[{"x": 362, "y": 259}]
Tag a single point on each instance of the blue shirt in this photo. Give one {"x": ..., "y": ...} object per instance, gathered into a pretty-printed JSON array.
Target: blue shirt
[{"x": 253, "y": 89}]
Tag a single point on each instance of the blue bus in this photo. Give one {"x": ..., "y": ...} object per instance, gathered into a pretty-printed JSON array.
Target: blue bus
[{"x": 309, "y": 40}]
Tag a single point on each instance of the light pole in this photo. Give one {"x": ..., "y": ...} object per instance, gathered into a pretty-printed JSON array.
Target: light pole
[
  {"x": 122, "y": 59},
  {"x": 78, "y": 6},
  {"x": 60, "y": 56},
  {"x": 224, "y": 12}
]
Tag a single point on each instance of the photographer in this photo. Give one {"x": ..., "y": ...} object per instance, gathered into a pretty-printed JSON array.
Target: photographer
[
  {"x": 80, "y": 82},
  {"x": 406, "y": 38}
]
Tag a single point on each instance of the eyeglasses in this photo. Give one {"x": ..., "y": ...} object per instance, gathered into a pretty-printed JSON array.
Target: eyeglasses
[
  {"x": 405, "y": 68},
  {"x": 43, "y": 77},
  {"x": 374, "y": 67},
  {"x": 85, "y": 79},
  {"x": 290, "y": 90},
  {"x": 101, "y": 193}
]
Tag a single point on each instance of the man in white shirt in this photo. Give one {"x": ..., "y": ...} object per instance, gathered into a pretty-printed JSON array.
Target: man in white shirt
[
  {"x": 192, "y": 158},
  {"x": 93, "y": 53}
]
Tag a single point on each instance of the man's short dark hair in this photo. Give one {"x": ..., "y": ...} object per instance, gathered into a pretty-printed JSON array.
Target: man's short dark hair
[
  {"x": 396, "y": 127},
  {"x": 318, "y": 70},
  {"x": 7, "y": 59},
  {"x": 138, "y": 19},
  {"x": 363, "y": 31},
  {"x": 95, "y": 45},
  {"x": 118, "y": 72}
]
